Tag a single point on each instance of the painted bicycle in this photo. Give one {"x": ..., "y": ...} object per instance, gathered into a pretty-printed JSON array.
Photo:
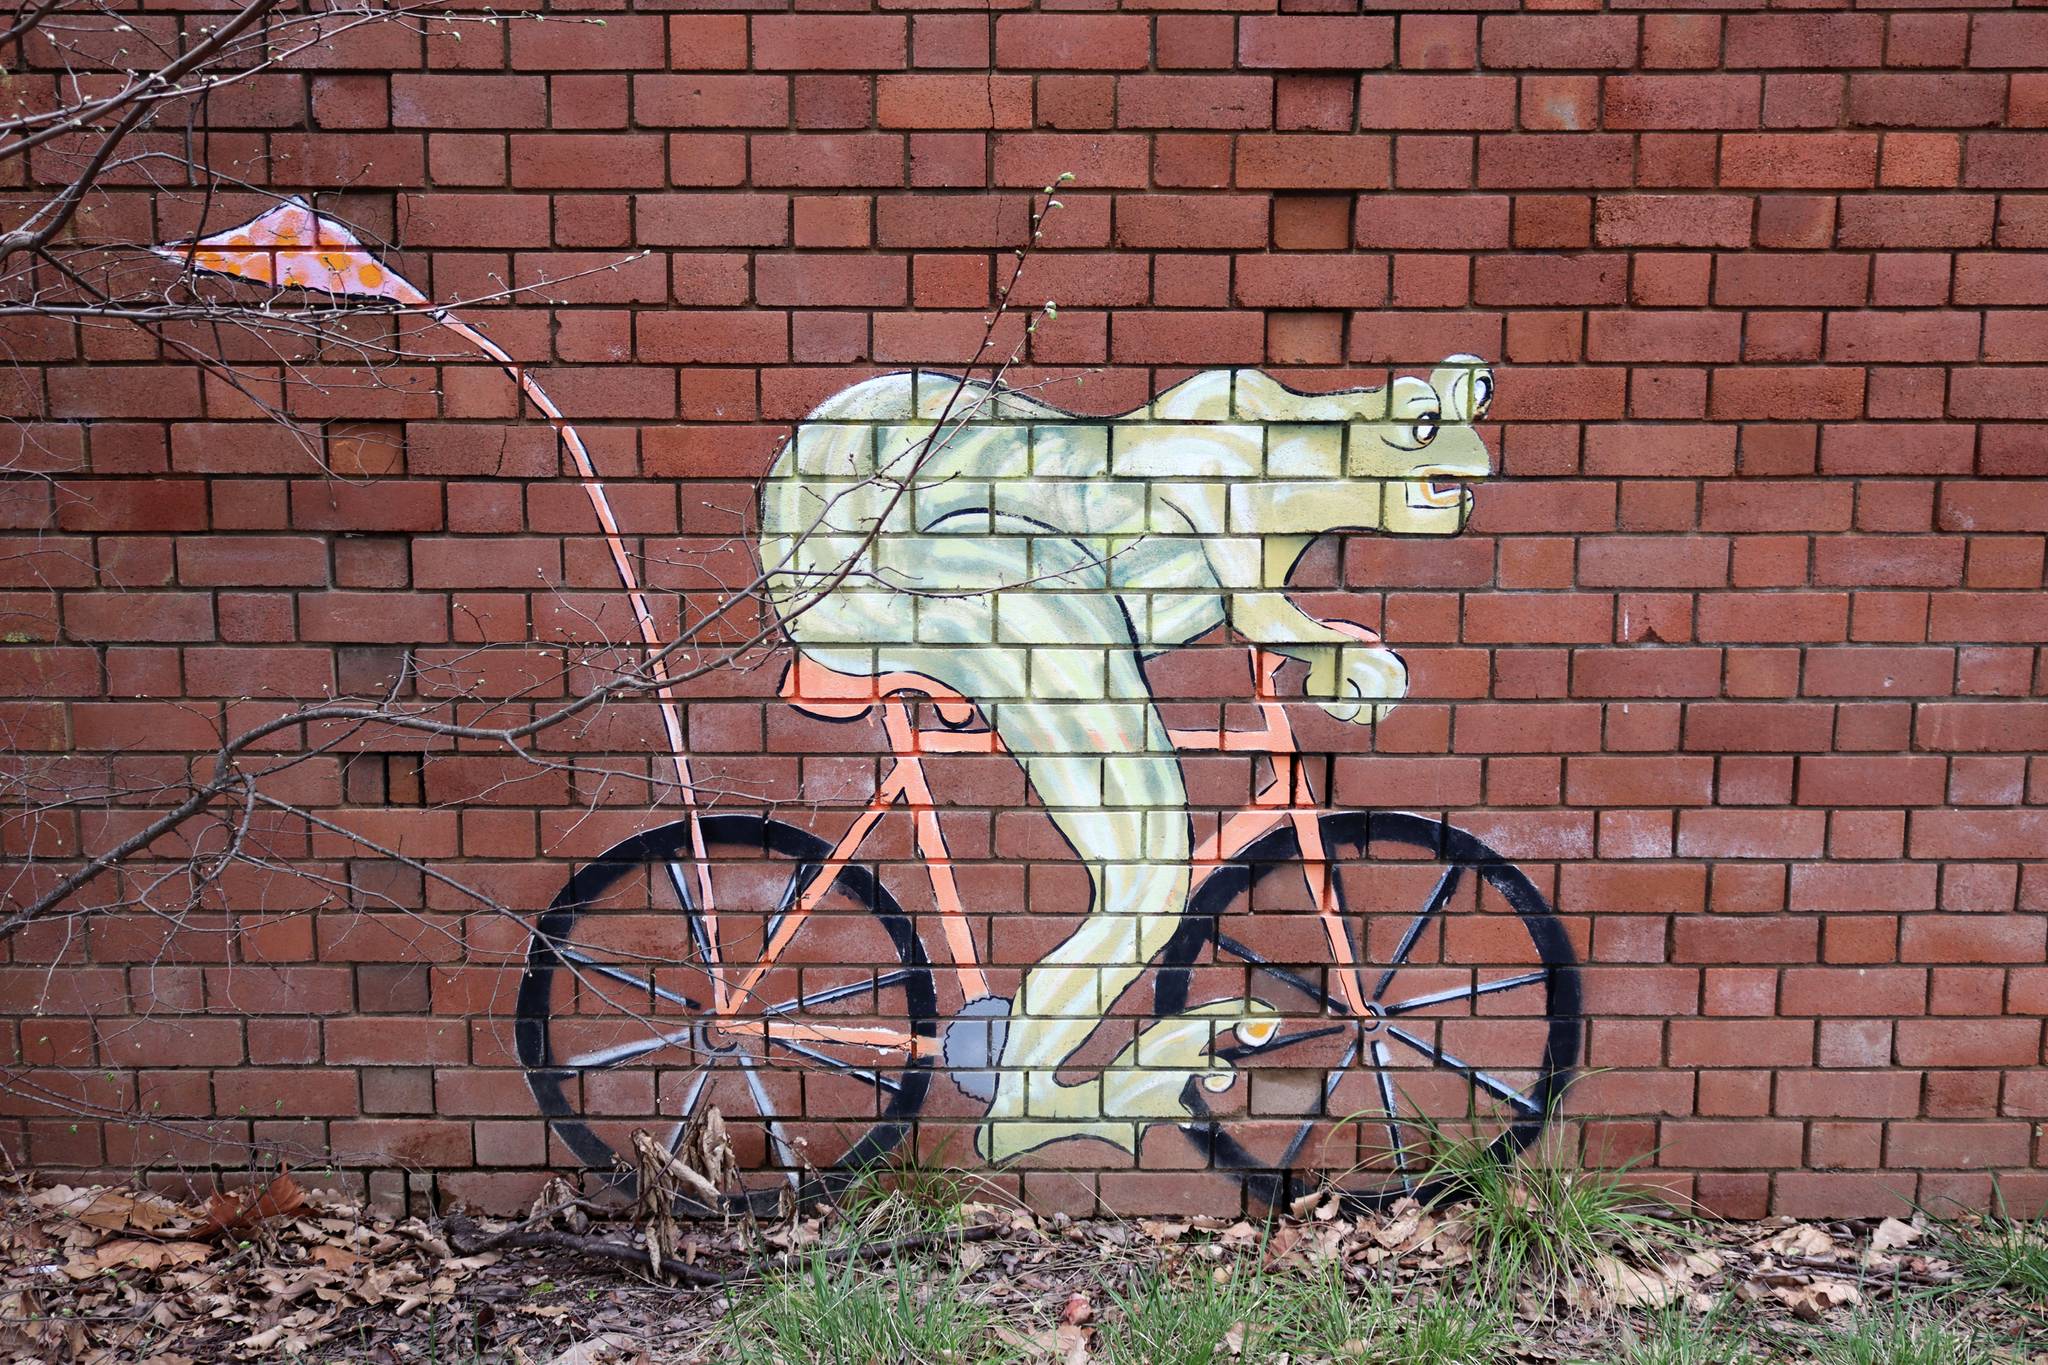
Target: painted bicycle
[{"x": 1408, "y": 973}]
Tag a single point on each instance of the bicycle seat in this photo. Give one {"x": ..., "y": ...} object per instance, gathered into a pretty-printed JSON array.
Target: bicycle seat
[{"x": 825, "y": 692}]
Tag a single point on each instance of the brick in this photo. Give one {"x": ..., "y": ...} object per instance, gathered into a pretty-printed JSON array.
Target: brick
[
  {"x": 1314, "y": 41},
  {"x": 1194, "y": 101},
  {"x": 1905, "y": 337},
  {"x": 2005, "y": 160},
  {"x": 1169, "y": 220},
  {"x": 842, "y": 161},
  {"x": 1946, "y": 100},
  {"x": 736, "y": 220},
  {"x": 620, "y": 42},
  {"x": 1999, "y": 279},
  {"x": 402, "y": 1142},
  {"x": 711, "y": 101},
  {"x": 713, "y": 338},
  {"x": 955, "y": 220},
  {"x": 1212, "y": 338},
  {"x": 830, "y": 42},
  {"x": 1801, "y": 160},
  {"x": 1307, "y": 161},
  {"x": 1436, "y": 102},
  {"x": 927, "y": 101},
  {"x": 1721, "y": 101},
  {"x": 1096, "y": 160},
  {"x": 586, "y": 161},
  {"x": 707, "y": 42},
  {"x": 1763, "y": 392},
  {"x": 1814, "y": 41},
  {"x": 1592, "y": 42},
  {"x": 1074, "y": 42},
  {"x": 425, "y": 100},
  {"x": 1555, "y": 160},
  {"x": 1347, "y": 281},
  {"x": 1668, "y": 220},
  {"x": 1897, "y": 220}
]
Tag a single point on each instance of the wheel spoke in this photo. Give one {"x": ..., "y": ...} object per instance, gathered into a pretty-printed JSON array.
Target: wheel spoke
[
  {"x": 626, "y": 1052},
  {"x": 1224, "y": 943},
  {"x": 764, "y": 1106},
  {"x": 1438, "y": 898},
  {"x": 802, "y": 879},
  {"x": 1396, "y": 1147},
  {"x": 831, "y": 994},
  {"x": 874, "y": 1078},
  {"x": 620, "y": 974},
  {"x": 1330, "y": 1080},
  {"x": 1506, "y": 983},
  {"x": 1492, "y": 1085}
]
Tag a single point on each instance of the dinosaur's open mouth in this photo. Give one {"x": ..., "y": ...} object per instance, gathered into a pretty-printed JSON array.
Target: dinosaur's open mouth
[{"x": 1435, "y": 489}]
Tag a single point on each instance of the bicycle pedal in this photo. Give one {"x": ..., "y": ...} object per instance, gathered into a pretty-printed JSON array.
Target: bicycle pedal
[{"x": 972, "y": 1043}]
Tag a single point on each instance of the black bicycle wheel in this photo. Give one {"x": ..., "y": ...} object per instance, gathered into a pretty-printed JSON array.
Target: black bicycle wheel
[
  {"x": 618, "y": 1027},
  {"x": 1471, "y": 1021}
]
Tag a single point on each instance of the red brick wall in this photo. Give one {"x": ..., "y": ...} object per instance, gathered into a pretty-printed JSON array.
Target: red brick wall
[{"x": 1739, "y": 660}]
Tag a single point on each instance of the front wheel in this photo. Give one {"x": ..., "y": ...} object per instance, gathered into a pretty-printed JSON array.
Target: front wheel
[
  {"x": 1460, "y": 1020},
  {"x": 660, "y": 984}
]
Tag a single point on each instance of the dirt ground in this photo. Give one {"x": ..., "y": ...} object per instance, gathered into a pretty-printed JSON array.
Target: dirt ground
[{"x": 283, "y": 1273}]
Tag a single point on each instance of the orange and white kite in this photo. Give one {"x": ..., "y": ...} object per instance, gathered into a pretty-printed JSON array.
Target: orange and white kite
[{"x": 293, "y": 247}]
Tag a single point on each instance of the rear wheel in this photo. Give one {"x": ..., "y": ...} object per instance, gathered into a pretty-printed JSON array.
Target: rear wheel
[
  {"x": 1469, "y": 1029},
  {"x": 818, "y": 1059}
]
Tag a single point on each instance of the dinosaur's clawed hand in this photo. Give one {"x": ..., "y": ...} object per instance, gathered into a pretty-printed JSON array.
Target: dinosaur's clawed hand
[{"x": 1349, "y": 681}]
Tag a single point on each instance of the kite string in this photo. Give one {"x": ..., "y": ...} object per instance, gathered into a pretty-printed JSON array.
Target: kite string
[{"x": 650, "y": 635}]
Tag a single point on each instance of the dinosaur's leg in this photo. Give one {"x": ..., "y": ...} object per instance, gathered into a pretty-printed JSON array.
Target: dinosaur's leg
[
  {"x": 1084, "y": 727},
  {"x": 1028, "y": 627}
]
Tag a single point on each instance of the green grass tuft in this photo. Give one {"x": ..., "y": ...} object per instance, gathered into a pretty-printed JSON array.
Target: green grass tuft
[
  {"x": 1675, "y": 1336},
  {"x": 1539, "y": 1223},
  {"x": 1899, "y": 1336},
  {"x": 1231, "y": 1313},
  {"x": 846, "y": 1314},
  {"x": 908, "y": 1195},
  {"x": 1443, "y": 1331},
  {"x": 2001, "y": 1253},
  {"x": 1330, "y": 1319}
]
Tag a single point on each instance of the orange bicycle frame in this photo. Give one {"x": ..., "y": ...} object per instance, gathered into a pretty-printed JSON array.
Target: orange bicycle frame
[{"x": 1286, "y": 796}]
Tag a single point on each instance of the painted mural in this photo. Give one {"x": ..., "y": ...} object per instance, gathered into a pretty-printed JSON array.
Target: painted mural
[
  {"x": 1289, "y": 989},
  {"x": 1272, "y": 989}
]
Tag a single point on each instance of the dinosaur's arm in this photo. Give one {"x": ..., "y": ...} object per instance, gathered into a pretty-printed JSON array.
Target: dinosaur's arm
[{"x": 1253, "y": 572}]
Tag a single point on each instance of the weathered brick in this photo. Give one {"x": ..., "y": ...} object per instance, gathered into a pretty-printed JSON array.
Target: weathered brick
[
  {"x": 1295, "y": 41},
  {"x": 830, "y": 42}
]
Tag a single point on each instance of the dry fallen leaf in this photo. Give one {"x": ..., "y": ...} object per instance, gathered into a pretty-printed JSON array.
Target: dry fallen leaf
[
  {"x": 336, "y": 1258},
  {"x": 227, "y": 1213},
  {"x": 1629, "y": 1286},
  {"x": 1892, "y": 1234},
  {"x": 121, "y": 1210},
  {"x": 599, "y": 1350},
  {"x": 1801, "y": 1239},
  {"x": 1811, "y": 1302},
  {"x": 128, "y": 1253}
]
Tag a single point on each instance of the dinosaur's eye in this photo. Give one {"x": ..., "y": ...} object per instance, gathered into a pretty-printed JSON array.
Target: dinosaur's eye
[
  {"x": 1423, "y": 429},
  {"x": 1482, "y": 394}
]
